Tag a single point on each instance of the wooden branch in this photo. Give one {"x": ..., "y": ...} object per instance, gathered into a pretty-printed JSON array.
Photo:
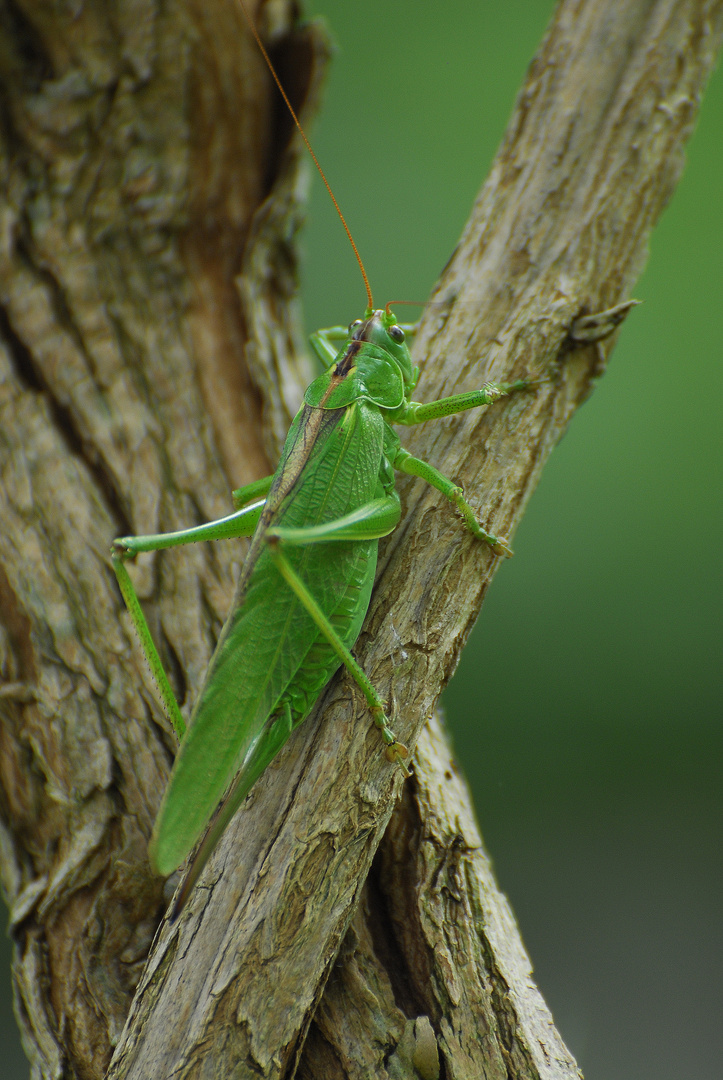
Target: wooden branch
[
  {"x": 591, "y": 157},
  {"x": 121, "y": 413}
]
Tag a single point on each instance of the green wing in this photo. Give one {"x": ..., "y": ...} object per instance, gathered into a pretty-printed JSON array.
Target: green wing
[{"x": 270, "y": 664}]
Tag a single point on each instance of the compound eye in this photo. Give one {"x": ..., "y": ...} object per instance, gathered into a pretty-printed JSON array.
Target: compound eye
[
  {"x": 396, "y": 333},
  {"x": 354, "y": 326}
]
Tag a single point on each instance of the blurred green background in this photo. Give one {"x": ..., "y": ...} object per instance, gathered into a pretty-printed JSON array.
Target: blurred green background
[{"x": 594, "y": 743}]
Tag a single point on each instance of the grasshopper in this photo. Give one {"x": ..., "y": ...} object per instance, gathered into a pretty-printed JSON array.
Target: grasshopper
[{"x": 306, "y": 583}]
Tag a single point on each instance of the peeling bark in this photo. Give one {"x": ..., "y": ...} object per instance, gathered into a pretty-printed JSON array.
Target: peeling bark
[{"x": 152, "y": 191}]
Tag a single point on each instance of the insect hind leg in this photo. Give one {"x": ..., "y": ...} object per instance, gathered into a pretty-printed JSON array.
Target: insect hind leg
[
  {"x": 395, "y": 751},
  {"x": 124, "y": 548}
]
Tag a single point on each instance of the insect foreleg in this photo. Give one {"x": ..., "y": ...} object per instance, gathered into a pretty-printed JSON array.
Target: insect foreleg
[
  {"x": 416, "y": 412},
  {"x": 326, "y": 343},
  {"x": 405, "y": 462}
]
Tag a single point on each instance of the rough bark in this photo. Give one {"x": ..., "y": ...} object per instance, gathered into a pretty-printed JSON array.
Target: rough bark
[
  {"x": 148, "y": 319},
  {"x": 140, "y": 143}
]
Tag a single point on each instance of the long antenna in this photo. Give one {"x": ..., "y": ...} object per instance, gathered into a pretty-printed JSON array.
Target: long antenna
[{"x": 289, "y": 106}]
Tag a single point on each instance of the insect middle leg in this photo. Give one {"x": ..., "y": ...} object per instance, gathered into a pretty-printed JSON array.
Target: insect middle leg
[{"x": 407, "y": 463}]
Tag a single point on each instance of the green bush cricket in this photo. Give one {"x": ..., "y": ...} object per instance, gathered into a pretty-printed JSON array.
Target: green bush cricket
[{"x": 306, "y": 583}]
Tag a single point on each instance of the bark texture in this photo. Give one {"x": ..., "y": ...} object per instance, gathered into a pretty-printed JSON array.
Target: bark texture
[{"x": 349, "y": 925}]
